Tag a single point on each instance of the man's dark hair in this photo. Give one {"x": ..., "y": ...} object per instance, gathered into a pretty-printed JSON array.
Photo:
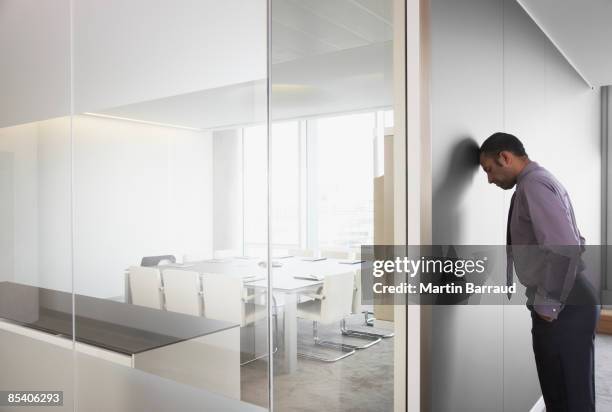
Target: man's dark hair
[{"x": 499, "y": 142}]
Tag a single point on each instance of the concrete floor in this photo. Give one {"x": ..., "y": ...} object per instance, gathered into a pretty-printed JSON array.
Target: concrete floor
[
  {"x": 364, "y": 381},
  {"x": 361, "y": 382}
]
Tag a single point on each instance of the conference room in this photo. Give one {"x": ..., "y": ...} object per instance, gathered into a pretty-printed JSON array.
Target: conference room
[
  {"x": 188, "y": 189},
  {"x": 187, "y": 203}
]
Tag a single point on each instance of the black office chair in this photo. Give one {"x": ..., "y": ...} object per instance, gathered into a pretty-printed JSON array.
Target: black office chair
[{"x": 149, "y": 261}]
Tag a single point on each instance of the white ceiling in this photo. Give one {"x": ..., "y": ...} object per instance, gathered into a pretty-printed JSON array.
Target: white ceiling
[
  {"x": 341, "y": 81},
  {"x": 202, "y": 64},
  {"x": 302, "y": 28},
  {"x": 581, "y": 30},
  {"x": 328, "y": 56}
]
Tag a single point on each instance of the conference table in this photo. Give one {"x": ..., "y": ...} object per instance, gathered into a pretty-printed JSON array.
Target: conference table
[{"x": 284, "y": 270}]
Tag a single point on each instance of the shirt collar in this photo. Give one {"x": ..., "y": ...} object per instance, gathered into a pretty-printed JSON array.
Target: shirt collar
[{"x": 531, "y": 166}]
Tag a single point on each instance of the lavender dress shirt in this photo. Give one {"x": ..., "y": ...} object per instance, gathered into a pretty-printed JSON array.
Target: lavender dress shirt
[{"x": 545, "y": 241}]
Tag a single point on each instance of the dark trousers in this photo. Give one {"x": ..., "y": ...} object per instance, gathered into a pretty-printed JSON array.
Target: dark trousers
[{"x": 564, "y": 355}]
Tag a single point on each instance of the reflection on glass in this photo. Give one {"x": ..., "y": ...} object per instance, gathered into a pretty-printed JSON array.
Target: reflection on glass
[
  {"x": 159, "y": 199},
  {"x": 331, "y": 76},
  {"x": 35, "y": 328},
  {"x": 135, "y": 180},
  {"x": 122, "y": 186},
  {"x": 35, "y": 200}
]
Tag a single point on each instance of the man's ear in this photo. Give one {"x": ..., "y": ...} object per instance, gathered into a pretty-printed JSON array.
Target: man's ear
[{"x": 505, "y": 158}]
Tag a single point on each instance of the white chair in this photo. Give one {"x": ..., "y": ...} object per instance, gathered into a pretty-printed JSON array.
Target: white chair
[
  {"x": 355, "y": 254},
  {"x": 332, "y": 304},
  {"x": 182, "y": 291},
  {"x": 226, "y": 298},
  {"x": 151, "y": 261},
  {"x": 358, "y": 308},
  {"x": 146, "y": 288},
  {"x": 372, "y": 338}
]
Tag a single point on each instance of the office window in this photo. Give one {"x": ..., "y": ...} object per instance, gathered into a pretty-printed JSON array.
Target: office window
[
  {"x": 321, "y": 181},
  {"x": 343, "y": 150}
]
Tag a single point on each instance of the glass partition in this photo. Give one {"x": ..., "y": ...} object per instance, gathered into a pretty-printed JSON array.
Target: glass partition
[
  {"x": 162, "y": 203},
  {"x": 147, "y": 180},
  {"x": 36, "y": 323},
  {"x": 331, "y": 75},
  {"x": 127, "y": 281}
]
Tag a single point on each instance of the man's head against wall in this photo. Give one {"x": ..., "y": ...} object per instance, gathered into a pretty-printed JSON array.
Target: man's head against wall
[{"x": 503, "y": 157}]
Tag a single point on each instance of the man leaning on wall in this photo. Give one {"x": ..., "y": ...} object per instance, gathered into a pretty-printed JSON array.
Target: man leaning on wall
[{"x": 545, "y": 248}]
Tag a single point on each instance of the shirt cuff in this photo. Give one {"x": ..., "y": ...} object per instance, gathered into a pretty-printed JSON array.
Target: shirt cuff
[{"x": 547, "y": 307}]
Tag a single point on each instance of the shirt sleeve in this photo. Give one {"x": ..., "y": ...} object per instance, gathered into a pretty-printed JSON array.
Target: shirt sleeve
[{"x": 558, "y": 242}]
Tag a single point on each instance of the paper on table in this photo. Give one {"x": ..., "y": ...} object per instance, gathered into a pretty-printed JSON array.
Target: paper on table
[
  {"x": 351, "y": 262},
  {"x": 282, "y": 257},
  {"x": 249, "y": 279},
  {"x": 310, "y": 277}
]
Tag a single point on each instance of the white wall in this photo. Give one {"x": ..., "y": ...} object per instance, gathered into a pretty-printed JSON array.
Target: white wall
[
  {"x": 493, "y": 70},
  {"x": 228, "y": 194},
  {"x": 53, "y": 182},
  {"x": 7, "y": 222},
  {"x": 20, "y": 144},
  {"x": 139, "y": 190},
  {"x": 38, "y": 216}
]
